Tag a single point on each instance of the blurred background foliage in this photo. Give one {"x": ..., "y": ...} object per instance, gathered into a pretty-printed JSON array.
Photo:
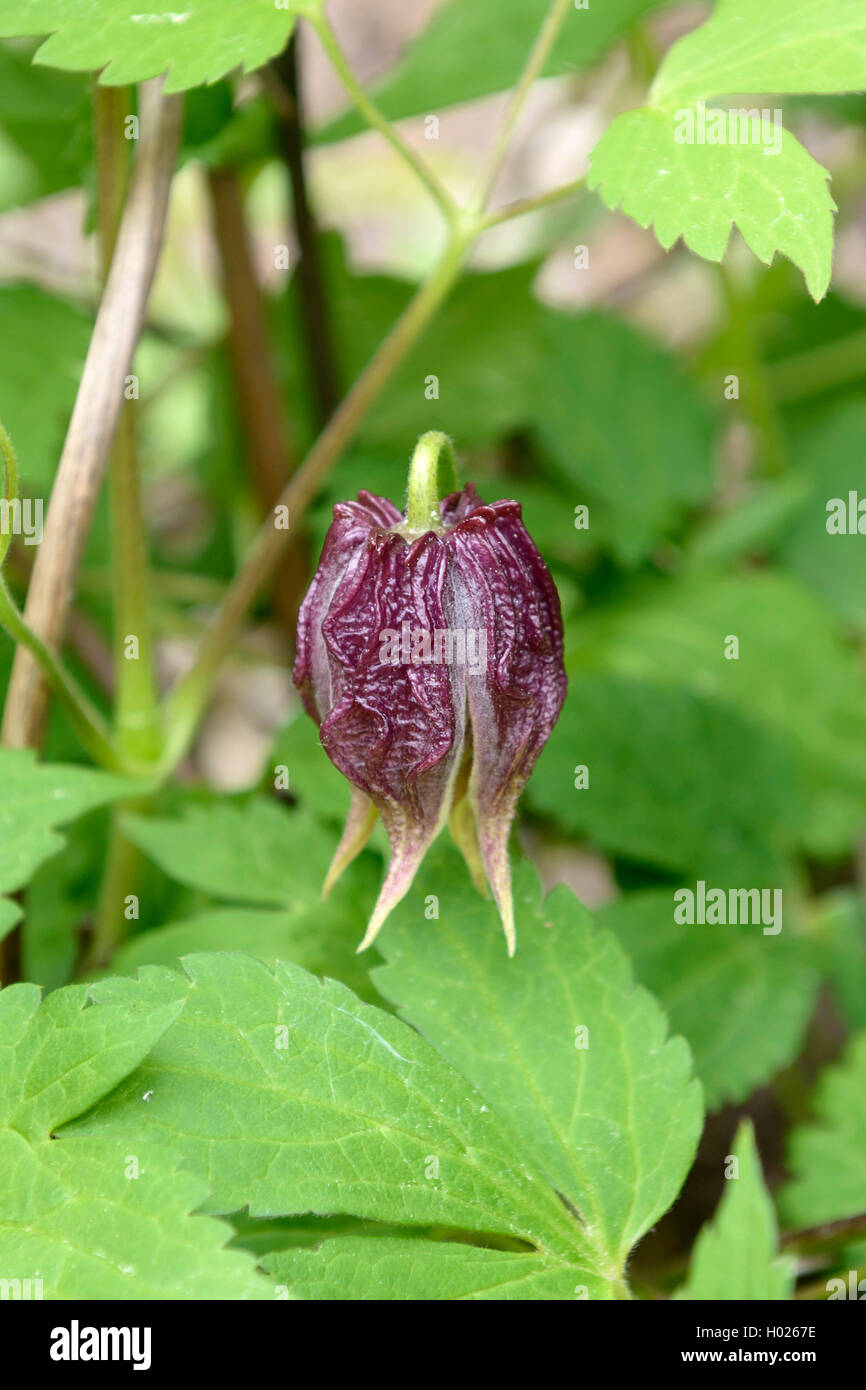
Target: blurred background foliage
[{"x": 567, "y": 380}]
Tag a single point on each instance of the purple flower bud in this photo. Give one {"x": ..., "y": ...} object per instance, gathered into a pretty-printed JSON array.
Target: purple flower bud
[{"x": 433, "y": 664}]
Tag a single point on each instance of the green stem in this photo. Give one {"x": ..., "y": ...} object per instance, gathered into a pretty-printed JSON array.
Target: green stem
[
  {"x": 374, "y": 117},
  {"x": 821, "y": 368},
  {"x": 84, "y": 717},
  {"x": 432, "y": 475},
  {"x": 759, "y": 399},
  {"x": 531, "y": 204},
  {"x": 642, "y": 55},
  {"x": 136, "y": 711},
  {"x": 538, "y": 56},
  {"x": 10, "y": 485},
  {"x": 828, "y": 1236},
  {"x": 109, "y": 922},
  {"x": 186, "y": 701}
]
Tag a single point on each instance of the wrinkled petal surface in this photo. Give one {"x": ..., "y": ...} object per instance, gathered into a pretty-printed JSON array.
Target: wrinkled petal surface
[{"x": 426, "y": 731}]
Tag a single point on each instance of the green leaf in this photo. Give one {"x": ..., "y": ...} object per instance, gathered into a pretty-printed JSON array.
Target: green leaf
[
  {"x": 198, "y": 42},
  {"x": 741, "y": 1000},
  {"x": 826, "y": 1157},
  {"x": 257, "y": 851},
  {"x": 626, "y": 429},
  {"x": 60, "y": 899},
  {"x": 293, "y": 1096},
  {"x": 611, "y": 1116},
  {"x": 323, "y": 939},
  {"x": 482, "y": 346},
  {"x": 793, "y": 675},
  {"x": 362, "y": 1268},
  {"x": 265, "y": 1236},
  {"x": 71, "y": 1213},
  {"x": 811, "y": 46},
  {"x": 665, "y": 745},
  {"x": 736, "y": 1254},
  {"x": 827, "y": 455},
  {"x": 751, "y": 526},
  {"x": 47, "y": 116},
  {"x": 312, "y": 776},
  {"x": 253, "y": 852},
  {"x": 445, "y": 65},
  {"x": 838, "y": 929},
  {"x": 60, "y": 1058},
  {"x": 95, "y": 1218},
  {"x": 42, "y": 350},
  {"x": 779, "y": 201},
  {"x": 36, "y": 799},
  {"x": 776, "y": 195}
]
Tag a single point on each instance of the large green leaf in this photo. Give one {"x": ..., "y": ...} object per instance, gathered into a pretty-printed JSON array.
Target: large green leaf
[
  {"x": 810, "y": 46},
  {"x": 654, "y": 794},
  {"x": 698, "y": 192},
  {"x": 292, "y": 1095},
  {"x": 323, "y": 939},
  {"x": 198, "y": 42},
  {"x": 741, "y": 999},
  {"x": 362, "y": 1268},
  {"x": 773, "y": 191},
  {"x": 474, "y": 47},
  {"x": 96, "y": 1218},
  {"x": 253, "y": 852},
  {"x": 36, "y": 798},
  {"x": 793, "y": 675},
  {"x": 610, "y": 1115},
  {"x": 827, "y": 1156},
  {"x": 736, "y": 1254},
  {"x": 626, "y": 429},
  {"x": 60, "y": 1058}
]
